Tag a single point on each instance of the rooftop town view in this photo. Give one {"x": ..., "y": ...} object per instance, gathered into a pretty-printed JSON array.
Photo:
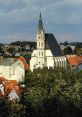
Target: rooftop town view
[{"x": 41, "y": 77}]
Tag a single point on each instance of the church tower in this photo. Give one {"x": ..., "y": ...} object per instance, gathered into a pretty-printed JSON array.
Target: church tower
[
  {"x": 48, "y": 53},
  {"x": 40, "y": 44}
]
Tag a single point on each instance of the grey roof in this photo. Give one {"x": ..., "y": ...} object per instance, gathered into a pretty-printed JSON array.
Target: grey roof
[
  {"x": 52, "y": 44},
  {"x": 6, "y": 62}
]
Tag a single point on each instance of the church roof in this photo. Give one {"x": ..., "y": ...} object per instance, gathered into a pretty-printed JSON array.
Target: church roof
[
  {"x": 52, "y": 44},
  {"x": 40, "y": 24}
]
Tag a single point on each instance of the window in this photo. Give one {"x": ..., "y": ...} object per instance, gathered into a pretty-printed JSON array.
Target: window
[
  {"x": 38, "y": 37},
  {"x": 42, "y": 53},
  {"x": 39, "y": 53},
  {"x": 34, "y": 54},
  {"x": 41, "y": 44},
  {"x": 38, "y": 44}
]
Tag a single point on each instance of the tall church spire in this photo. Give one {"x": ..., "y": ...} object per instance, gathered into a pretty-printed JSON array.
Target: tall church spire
[{"x": 40, "y": 24}]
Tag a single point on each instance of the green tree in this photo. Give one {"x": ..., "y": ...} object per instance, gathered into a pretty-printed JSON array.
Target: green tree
[
  {"x": 53, "y": 93},
  {"x": 78, "y": 50},
  {"x": 49, "y": 93},
  {"x": 68, "y": 50}
]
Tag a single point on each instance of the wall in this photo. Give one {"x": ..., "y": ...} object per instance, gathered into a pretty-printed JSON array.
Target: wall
[{"x": 13, "y": 72}]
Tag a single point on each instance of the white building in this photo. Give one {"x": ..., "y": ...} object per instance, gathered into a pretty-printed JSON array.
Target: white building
[
  {"x": 12, "y": 69},
  {"x": 48, "y": 53}
]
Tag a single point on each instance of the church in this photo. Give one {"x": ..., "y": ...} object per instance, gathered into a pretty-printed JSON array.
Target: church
[{"x": 47, "y": 53}]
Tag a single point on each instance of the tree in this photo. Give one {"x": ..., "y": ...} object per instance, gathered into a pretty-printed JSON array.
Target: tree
[
  {"x": 68, "y": 50},
  {"x": 66, "y": 43},
  {"x": 53, "y": 93},
  {"x": 78, "y": 50},
  {"x": 49, "y": 93}
]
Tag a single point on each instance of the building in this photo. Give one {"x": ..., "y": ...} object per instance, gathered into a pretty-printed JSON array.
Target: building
[
  {"x": 48, "y": 53},
  {"x": 74, "y": 61},
  {"x": 13, "y": 69},
  {"x": 12, "y": 72},
  {"x": 6, "y": 87}
]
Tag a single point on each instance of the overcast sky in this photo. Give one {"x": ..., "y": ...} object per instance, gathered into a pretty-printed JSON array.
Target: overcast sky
[{"x": 19, "y": 19}]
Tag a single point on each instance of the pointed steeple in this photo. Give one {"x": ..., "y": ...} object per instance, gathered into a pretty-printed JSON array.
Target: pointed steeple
[{"x": 40, "y": 24}]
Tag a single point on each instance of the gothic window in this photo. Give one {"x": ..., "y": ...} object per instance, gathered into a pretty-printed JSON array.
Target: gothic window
[
  {"x": 41, "y": 44},
  {"x": 38, "y": 37},
  {"x": 42, "y": 53},
  {"x": 39, "y": 53}
]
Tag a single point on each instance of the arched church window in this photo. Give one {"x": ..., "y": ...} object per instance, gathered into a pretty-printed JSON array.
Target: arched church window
[
  {"x": 41, "y": 44},
  {"x": 42, "y": 53},
  {"x": 39, "y": 53},
  {"x": 39, "y": 37}
]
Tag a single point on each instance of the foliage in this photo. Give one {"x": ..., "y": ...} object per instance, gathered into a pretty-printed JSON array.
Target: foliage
[
  {"x": 50, "y": 93},
  {"x": 54, "y": 92},
  {"x": 68, "y": 50},
  {"x": 78, "y": 50}
]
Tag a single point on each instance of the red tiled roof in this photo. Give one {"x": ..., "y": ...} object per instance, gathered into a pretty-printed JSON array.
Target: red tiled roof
[
  {"x": 74, "y": 60},
  {"x": 9, "y": 85},
  {"x": 24, "y": 62}
]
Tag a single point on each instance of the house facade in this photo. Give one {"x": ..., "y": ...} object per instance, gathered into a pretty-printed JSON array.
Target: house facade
[
  {"x": 47, "y": 53},
  {"x": 12, "y": 72},
  {"x": 13, "y": 69}
]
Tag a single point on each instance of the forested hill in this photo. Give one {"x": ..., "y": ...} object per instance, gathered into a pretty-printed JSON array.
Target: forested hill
[{"x": 23, "y": 43}]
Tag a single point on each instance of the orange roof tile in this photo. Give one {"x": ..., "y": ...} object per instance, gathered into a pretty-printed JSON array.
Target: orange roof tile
[
  {"x": 9, "y": 85},
  {"x": 24, "y": 62},
  {"x": 74, "y": 60}
]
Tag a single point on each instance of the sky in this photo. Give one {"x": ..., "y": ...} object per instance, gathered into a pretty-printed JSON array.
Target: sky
[{"x": 19, "y": 19}]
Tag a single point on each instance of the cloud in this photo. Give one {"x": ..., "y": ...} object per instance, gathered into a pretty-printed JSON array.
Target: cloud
[
  {"x": 21, "y": 16},
  {"x": 64, "y": 12},
  {"x": 57, "y": 11},
  {"x": 67, "y": 37},
  {"x": 74, "y": 2},
  {"x": 10, "y": 5}
]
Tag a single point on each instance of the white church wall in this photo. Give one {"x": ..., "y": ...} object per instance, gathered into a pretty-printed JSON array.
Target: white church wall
[
  {"x": 49, "y": 53},
  {"x": 34, "y": 54},
  {"x": 33, "y": 63},
  {"x": 50, "y": 62},
  {"x": 60, "y": 61},
  {"x": 33, "y": 60}
]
